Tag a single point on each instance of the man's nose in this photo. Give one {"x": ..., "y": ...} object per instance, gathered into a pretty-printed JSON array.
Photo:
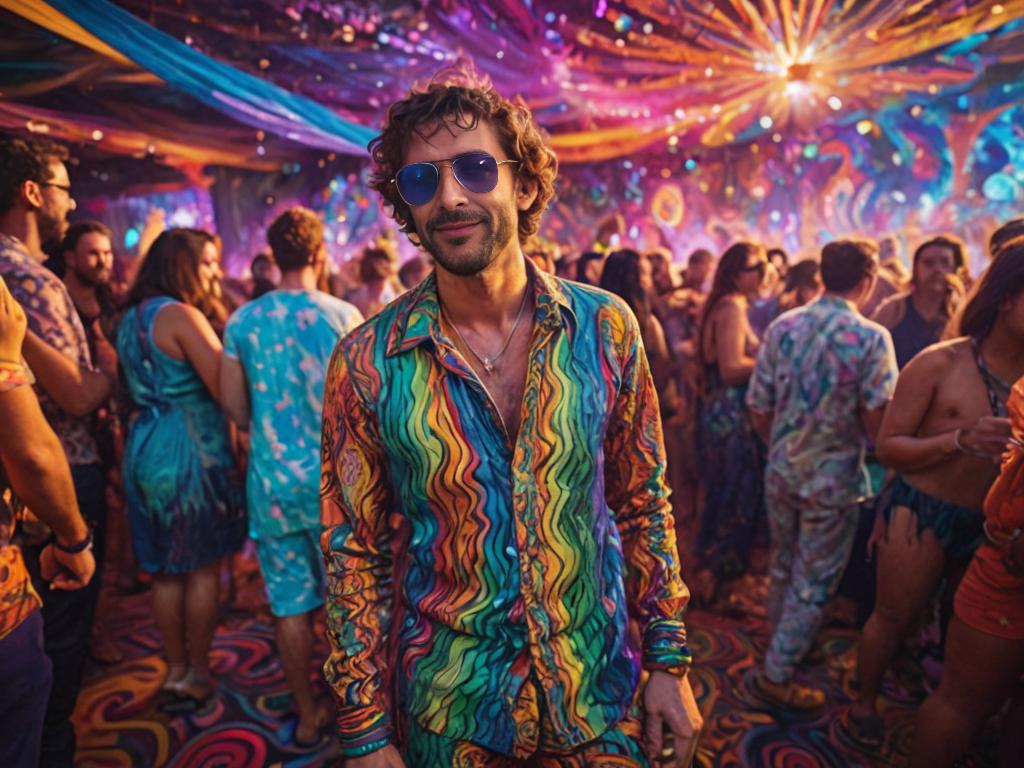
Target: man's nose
[
  {"x": 450, "y": 193},
  {"x": 72, "y": 204}
]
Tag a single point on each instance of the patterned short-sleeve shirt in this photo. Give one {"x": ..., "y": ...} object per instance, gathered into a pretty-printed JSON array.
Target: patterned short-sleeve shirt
[
  {"x": 51, "y": 316},
  {"x": 817, "y": 368},
  {"x": 284, "y": 340}
]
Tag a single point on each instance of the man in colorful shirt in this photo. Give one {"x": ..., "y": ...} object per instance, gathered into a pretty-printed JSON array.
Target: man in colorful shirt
[
  {"x": 492, "y": 446},
  {"x": 35, "y": 199},
  {"x": 823, "y": 377},
  {"x": 276, "y": 350},
  {"x": 33, "y": 464}
]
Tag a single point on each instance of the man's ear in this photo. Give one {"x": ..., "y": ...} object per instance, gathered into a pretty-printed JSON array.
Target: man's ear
[
  {"x": 31, "y": 194},
  {"x": 526, "y": 191}
]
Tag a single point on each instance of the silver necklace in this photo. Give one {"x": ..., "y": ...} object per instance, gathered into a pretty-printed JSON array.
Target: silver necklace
[{"x": 488, "y": 361}]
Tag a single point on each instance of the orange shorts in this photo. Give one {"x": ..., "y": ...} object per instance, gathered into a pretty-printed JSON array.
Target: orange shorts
[{"x": 990, "y": 598}]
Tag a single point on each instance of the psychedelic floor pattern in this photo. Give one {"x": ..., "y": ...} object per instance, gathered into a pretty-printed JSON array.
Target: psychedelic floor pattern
[{"x": 250, "y": 725}]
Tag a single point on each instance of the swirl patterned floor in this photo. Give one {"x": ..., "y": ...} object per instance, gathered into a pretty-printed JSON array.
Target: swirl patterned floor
[{"x": 251, "y": 723}]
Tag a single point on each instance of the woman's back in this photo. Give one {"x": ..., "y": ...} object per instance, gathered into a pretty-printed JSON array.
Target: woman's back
[{"x": 153, "y": 377}]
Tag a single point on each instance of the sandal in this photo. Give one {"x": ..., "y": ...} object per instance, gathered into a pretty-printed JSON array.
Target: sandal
[
  {"x": 796, "y": 697},
  {"x": 182, "y": 703},
  {"x": 865, "y": 733}
]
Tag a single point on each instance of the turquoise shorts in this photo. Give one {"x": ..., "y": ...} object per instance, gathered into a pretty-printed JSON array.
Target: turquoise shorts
[
  {"x": 293, "y": 571},
  {"x": 957, "y": 528}
]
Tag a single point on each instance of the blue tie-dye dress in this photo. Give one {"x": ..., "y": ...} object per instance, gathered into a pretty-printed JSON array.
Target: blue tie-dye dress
[{"x": 182, "y": 484}]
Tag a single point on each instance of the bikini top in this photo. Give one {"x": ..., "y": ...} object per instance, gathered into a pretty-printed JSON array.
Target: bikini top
[{"x": 998, "y": 390}]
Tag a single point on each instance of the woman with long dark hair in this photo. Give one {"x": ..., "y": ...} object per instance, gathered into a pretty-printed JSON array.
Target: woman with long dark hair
[
  {"x": 181, "y": 482},
  {"x": 728, "y": 452},
  {"x": 629, "y": 275}
]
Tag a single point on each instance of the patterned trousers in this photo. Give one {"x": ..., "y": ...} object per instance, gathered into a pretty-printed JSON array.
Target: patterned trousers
[
  {"x": 809, "y": 551},
  {"x": 618, "y": 748}
]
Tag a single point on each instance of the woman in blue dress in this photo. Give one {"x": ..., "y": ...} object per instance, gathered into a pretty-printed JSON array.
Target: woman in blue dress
[
  {"x": 181, "y": 481},
  {"x": 729, "y": 453}
]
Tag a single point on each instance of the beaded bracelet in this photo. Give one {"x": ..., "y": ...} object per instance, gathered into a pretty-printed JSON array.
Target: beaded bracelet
[{"x": 365, "y": 749}]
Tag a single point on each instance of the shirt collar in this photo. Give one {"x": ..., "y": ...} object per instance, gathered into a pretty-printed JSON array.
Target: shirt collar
[
  {"x": 418, "y": 318},
  {"x": 15, "y": 249},
  {"x": 836, "y": 302}
]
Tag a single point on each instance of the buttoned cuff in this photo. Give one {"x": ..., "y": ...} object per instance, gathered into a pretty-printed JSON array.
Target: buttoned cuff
[
  {"x": 665, "y": 647},
  {"x": 362, "y": 730}
]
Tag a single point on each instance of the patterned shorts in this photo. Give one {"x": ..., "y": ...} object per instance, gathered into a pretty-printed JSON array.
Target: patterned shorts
[{"x": 293, "y": 571}]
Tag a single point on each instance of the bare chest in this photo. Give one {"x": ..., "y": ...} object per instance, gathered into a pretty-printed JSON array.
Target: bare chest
[{"x": 959, "y": 401}]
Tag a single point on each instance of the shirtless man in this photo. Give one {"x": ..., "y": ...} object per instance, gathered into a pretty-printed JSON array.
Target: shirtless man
[{"x": 943, "y": 433}]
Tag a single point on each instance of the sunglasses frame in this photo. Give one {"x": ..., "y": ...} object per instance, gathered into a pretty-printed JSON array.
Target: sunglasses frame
[{"x": 450, "y": 162}]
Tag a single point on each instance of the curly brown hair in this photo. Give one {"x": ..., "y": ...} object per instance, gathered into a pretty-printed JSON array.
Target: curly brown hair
[
  {"x": 295, "y": 238},
  {"x": 462, "y": 99},
  {"x": 25, "y": 158}
]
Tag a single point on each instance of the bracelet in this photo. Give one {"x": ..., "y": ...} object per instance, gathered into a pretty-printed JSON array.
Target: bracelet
[
  {"x": 74, "y": 549},
  {"x": 956, "y": 440}
]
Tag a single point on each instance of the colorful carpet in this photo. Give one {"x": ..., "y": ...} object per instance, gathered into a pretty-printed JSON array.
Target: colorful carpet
[{"x": 251, "y": 724}]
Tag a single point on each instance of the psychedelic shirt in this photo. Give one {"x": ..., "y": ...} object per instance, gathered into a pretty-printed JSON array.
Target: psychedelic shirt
[
  {"x": 519, "y": 558},
  {"x": 283, "y": 341},
  {"x": 817, "y": 368},
  {"x": 51, "y": 316},
  {"x": 17, "y": 598}
]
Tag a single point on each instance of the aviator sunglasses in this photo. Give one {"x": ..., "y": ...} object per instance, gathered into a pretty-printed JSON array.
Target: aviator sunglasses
[{"x": 475, "y": 171}]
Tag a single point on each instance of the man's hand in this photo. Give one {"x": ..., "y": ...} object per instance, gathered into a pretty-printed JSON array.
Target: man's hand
[
  {"x": 387, "y": 757},
  {"x": 66, "y": 571},
  {"x": 669, "y": 706}
]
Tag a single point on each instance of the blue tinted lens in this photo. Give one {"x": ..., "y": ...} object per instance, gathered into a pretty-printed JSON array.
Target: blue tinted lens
[
  {"x": 476, "y": 171},
  {"x": 417, "y": 183}
]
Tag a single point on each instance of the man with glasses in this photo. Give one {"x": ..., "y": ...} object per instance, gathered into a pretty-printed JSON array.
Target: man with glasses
[
  {"x": 35, "y": 199},
  {"x": 823, "y": 377},
  {"x": 494, "y": 490}
]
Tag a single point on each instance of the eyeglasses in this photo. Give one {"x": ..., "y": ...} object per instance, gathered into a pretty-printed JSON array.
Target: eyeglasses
[
  {"x": 761, "y": 267},
  {"x": 65, "y": 187},
  {"x": 476, "y": 171}
]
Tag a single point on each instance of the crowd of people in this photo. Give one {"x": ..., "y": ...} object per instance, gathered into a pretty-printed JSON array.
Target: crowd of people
[{"x": 796, "y": 409}]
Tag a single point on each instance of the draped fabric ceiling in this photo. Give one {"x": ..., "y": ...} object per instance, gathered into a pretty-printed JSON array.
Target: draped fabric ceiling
[{"x": 794, "y": 119}]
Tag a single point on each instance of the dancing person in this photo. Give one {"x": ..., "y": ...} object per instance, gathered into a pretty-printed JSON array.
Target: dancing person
[
  {"x": 728, "y": 452},
  {"x": 266, "y": 275},
  {"x": 985, "y": 643},
  {"x": 779, "y": 259},
  {"x": 414, "y": 271},
  {"x": 378, "y": 268},
  {"x": 588, "y": 268},
  {"x": 943, "y": 432},
  {"x": 33, "y": 471},
  {"x": 507, "y": 421},
  {"x": 886, "y": 282},
  {"x": 698, "y": 270},
  {"x": 916, "y": 319},
  {"x": 629, "y": 275},
  {"x": 802, "y": 285},
  {"x": 35, "y": 199},
  {"x": 823, "y": 378},
  {"x": 1011, "y": 230},
  {"x": 181, "y": 483},
  {"x": 276, "y": 349}
]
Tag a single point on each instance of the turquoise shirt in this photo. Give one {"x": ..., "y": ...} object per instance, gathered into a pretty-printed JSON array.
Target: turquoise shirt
[{"x": 283, "y": 340}]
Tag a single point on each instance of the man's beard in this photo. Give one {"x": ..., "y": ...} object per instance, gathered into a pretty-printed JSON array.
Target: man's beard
[
  {"x": 51, "y": 228},
  {"x": 492, "y": 241},
  {"x": 93, "y": 277}
]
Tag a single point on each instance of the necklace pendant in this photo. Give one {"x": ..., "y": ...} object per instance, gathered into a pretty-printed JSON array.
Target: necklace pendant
[{"x": 488, "y": 364}]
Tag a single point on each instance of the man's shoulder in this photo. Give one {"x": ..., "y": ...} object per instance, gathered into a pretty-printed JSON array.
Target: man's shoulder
[
  {"x": 379, "y": 327},
  {"x": 587, "y": 300}
]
